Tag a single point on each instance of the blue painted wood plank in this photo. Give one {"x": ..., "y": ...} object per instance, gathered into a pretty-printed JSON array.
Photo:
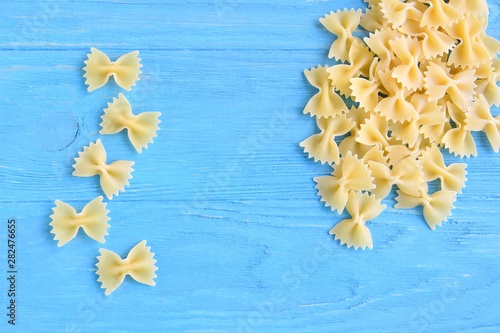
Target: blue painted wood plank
[{"x": 224, "y": 196}]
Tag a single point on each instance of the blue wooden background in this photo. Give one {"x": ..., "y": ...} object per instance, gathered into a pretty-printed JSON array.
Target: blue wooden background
[{"x": 224, "y": 196}]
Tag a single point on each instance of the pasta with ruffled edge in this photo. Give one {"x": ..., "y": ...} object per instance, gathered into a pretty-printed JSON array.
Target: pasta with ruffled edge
[
  {"x": 322, "y": 147},
  {"x": 427, "y": 80},
  {"x": 351, "y": 174},
  {"x": 353, "y": 232},
  {"x": 326, "y": 103},
  {"x": 113, "y": 177},
  {"x": 139, "y": 264},
  {"x": 99, "y": 68},
  {"x": 141, "y": 128},
  {"x": 66, "y": 222}
]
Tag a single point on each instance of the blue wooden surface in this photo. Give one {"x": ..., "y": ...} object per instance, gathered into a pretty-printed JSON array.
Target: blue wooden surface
[{"x": 224, "y": 196}]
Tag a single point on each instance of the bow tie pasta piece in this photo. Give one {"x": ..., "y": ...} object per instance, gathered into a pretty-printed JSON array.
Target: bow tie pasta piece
[
  {"x": 409, "y": 52},
  {"x": 99, "y": 68},
  {"x": 322, "y": 146},
  {"x": 374, "y": 132},
  {"x": 407, "y": 175},
  {"x": 326, "y": 103},
  {"x": 458, "y": 140},
  {"x": 488, "y": 74},
  {"x": 373, "y": 19},
  {"x": 353, "y": 232},
  {"x": 397, "y": 12},
  {"x": 439, "y": 14},
  {"x": 471, "y": 51},
  {"x": 367, "y": 91},
  {"x": 437, "y": 206},
  {"x": 66, "y": 222},
  {"x": 113, "y": 176},
  {"x": 139, "y": 264},
  {"x": 434, "y": 42},
  {"x": 473, "y": 8},
  {"x": 342, "y": 24},
  {"x": 351, "y": 174},
  {"x": 459, "y": 86},
  {"x": 395, "y": 107},
  {"x": 479, "y": 118},
  {"x": 360, "y": 59},
  {"x": 141, "y": 128},
  {"x": 452, "y": 177}
]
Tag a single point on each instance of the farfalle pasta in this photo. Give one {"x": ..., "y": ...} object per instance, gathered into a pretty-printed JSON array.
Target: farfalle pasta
[
  {"x": 139, "y": 264},
  {"x": 141, "y": 128},
  {"x": 326, "y": 103},
  {"x": 113, "y": 177},
  {"x": 351, "y": 174},
  {"x": 66, "y": 222},
  {"x": 99, "y": 68},
  {"x": 322, "y": 147},
  {"x": 423, "y": 78},
  {"x": 353, "y": 232},
  {"x": 342, "y": 24}
]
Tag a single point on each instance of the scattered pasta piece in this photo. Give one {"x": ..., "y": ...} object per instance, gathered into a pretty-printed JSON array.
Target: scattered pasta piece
[
  {"x": 141, "y": 128},
  {"x": 99, "y": 68},
  {"x": 342, "y": 24},
  {"x": 326, "y": 103},
  {"x": 139, "y": 264},
  {"x": 353, "y": 231},
  {"x": 351, "y": 174},
  {"x": 452, "y": 177},
  {"x": 422, "y": 79},
  {"x": 322, "y": 146},
  {"x": 113, "y": 176},
  {"x": 66, "y": 222},
  {"x": 437, "y": 206}
]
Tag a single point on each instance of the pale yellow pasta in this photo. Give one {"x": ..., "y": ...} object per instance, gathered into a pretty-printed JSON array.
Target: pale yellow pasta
[
  {"x": 373, "y": 19},
  {"x": 113, "y": 176},
  {"x": 353, "y": 232},
  {"x": 322, "y": 147},
  {"x": 471, "y": 7},
  {"x": 479, "y": 118},
  {"x": 366, "y": 91},
  {"x": 409, "y": 51},
  {"x": 406, "y": 174},
  {"x": 99, "y": 68},
  {"x": 458, "y": 140},
  {"x": 139, "y": 264},
  {"x": 66, "y": 222},
  {"x": 374, "y": 132},
  {"x": 378, "y": 42},
  {"x": 360, "y": 58},
  {"x": 423, "y": 79},
  {"x": 342, "y": 24},
  {"x": 437, "y": 206},
  {"x": 397, "y": 12},
  {"x": 439, "y": 14},
  {"x": 471, "y": 51},
  {"x": 141, "y": 128},
  {"x": 488, "y": 75},
  {"x": 452, "y": 177},
  {"x": 395, "y": 106},
  {"x": 434, "y": 42},
  {"x": 351, "y": 174},
  {"x": 326, "y": 103},
  {"x": 438, "y": 82}
]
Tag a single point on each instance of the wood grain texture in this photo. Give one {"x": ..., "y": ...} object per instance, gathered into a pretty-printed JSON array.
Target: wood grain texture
[{"x": 224, "y": 196}]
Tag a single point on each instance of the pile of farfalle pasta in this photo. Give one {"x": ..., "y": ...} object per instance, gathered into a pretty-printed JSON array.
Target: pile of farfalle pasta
[
  {"x": 423, "y": 78},
  {"x": 114, "y": 176}
]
